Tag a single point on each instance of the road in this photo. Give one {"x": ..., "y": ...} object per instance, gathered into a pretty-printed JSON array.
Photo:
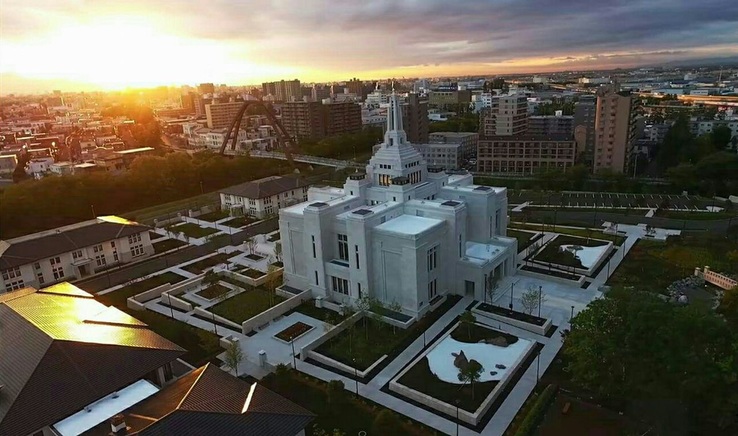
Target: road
[{"x": 127, "y": 272}]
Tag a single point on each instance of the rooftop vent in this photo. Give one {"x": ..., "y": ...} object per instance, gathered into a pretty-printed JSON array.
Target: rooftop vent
[
  {"x": 362, "y": 212},
  {"x": 318, "y": 204},
  {"x": 482, "y": 188},
  {"x": 357, "y": 176},
  {"x": 450, "y": 203},
  {"x": 435, "y": 169}
]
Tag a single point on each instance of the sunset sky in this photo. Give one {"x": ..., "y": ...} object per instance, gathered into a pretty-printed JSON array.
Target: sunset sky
[{"x": 102, "y": 44}]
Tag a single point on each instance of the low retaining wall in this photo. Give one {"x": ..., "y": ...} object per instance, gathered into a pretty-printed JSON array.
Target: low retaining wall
[
  {"x": 588, "y": 271},
  {"x": 325, "y": 360},
  {"x": 167, "y": 298},
  {"x": 248, "y": 280},
  {"x": 451, "y": 410},
  {"x": 152, "y": 293},
  {"x": 552, "y": 278},
  {"x": 540, "y": 330},
  {"x": 397, "y": 323},
  {"x": 270, "y": 314},
  {"x": 310, "y": 346},
  {"x": 208, "y": 315}
]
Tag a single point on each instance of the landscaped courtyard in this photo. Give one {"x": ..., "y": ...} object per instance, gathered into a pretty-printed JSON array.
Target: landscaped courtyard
[
  {"x": 192, "y": 230},
  {"x": 437, "y": 374},
  {"x": 214, "y": 216},
  {"x": 119, "y": 296},
  {"x": 246, "y": 305},
  {"x": 239, "y": 221},
  {"x": 213, "y": 292},
  {"x": 167, "y": 244},
  {"x": 572, "y": 251}
]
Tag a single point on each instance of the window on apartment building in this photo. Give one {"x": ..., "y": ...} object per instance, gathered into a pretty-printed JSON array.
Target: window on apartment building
[
  {"x": 57, "y": 268},
  {"x": 77, "y": 254},
  {"x": 340, "y": 285},
  {"x": 112, "y": 245},
  {"x": 11, "y": 273},
  {"x": 137, "y": 250},
  {"x": 460, "y": 252},
  {"x": 40, "y": 277},
  {"x": 36, "y": 265},
  {"x": 313, "y": 241},
  {"x": 100, "y": 259},
  {"x": 432, "y": 258},
  {"x": 134, "y": 238},
  {"x": 14, "y": 285},
  {"x": 432, "y": 289},
  {"x": 97, "y": 249},
  {"x": 269, "y": 209},
  {"x": 343, "y": 247},
  {"x": 356, "y": 251},
  {"x": 358, "y": 286}
]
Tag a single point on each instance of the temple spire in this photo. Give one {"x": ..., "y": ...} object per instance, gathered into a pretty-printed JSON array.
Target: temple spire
[{"x": 395, "y": 134}]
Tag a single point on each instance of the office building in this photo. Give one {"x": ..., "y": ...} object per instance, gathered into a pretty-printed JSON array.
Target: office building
[
  {"x": 415, "y": 118},
  {"x": 585, "y": 110},
  {"x": 467, "y": 141},
  {"x": 402, "y": 232},
  {"x": 507, "y": 115},
  {"x": 524, "y": 154},
  {"x": 615, "y": 130},
  {"x": 356, "y": 86}
]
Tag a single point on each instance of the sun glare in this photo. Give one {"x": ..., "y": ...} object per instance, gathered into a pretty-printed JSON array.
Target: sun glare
[{"x": 121, "y": 52}]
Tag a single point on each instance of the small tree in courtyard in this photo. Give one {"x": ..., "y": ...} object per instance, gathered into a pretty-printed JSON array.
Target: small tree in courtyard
[
  {"x": 278, "y": 251},
  {"x": 335, "y": 391},
  {"x": 233, "y": 357},
  {"x": 386, "y": 423},
  {"x": 470, "y": 373},
  {"x": 210, "y": 278},
  {"x": 491, "y": 290},
  {"x": 273, "y": 280},
  {"x": 396, "y": 306},
  {"x": 467, "y": 318},
  {"x": 250, "y": 244},
  {"x": 531, "y": 300}
]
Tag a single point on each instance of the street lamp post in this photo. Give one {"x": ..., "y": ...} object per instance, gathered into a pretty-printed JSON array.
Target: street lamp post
[
  {"x": 356, "y": 376},
  {"x": 512, "y": 291},
  {"x": 457, "y": 416},
  {"x": 292, "y": 343},
  {"x": 538, "y": 367},
  {"x": 215, "y": 326},
  {"x": 94, "y": 215},
  {"x": 169, "y": 296},
  {"x": 540, "y": 299},
  {"x": 485, "y": 289},
  {"x": 572, "y": 314}
]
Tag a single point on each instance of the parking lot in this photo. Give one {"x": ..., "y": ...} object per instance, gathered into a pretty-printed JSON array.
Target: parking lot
[{"x": 610, "y": 200}]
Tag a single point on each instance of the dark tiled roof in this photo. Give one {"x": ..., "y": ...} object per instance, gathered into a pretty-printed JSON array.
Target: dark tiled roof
[
  {"x": 265, "y": 187},
  {"x": 61, "y": 350},
  {"x": 209, "y": 401},
  {"x": 24, "y": 252}
]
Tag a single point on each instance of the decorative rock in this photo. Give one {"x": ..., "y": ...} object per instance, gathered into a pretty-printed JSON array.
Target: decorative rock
[
  {"x": 500, "y": 366},
  {"x": 493, "y": 373}
]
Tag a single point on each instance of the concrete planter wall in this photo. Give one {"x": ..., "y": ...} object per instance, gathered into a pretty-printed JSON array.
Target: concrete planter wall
[
  {"x": 325, "y": 360},
  {"x": 248, "y": 280},
  {"x": 584, "y": 271},
  {"x": 275, "y": 312},
  {"x": 317, "y": 342},
  {"x": 540, "y": 330},
  {"x": 167, "y": 298},
  {"x": 466, "y": 416},
  {"x": 552, "y": 278},
  {"x": 206, "y": 314}
]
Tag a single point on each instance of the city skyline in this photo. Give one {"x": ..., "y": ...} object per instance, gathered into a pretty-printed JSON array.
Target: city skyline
[{"x": 104, "y": 45}]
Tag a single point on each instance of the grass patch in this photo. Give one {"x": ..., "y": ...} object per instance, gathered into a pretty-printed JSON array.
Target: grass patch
[
  {"x": 201, "y": 265},
  {"x": 118, "y": 297},
  {"x": 246, "y": 305},
  {"x": 234, "y": 282},
  {"x": 654, "y": 265},
  {"x": 214, "y": 216},
  {"x": 551, "y": 253},
  {"x": 171, "y": 208},
  {"x": 154, "y": 236},
  {"x": 421, "y": 379},
  {"x": 293, "y": 331},
  {"x": 193, "y": 230},
  {"x": 584, "y": 233},
  {"x": 167, "y": 244},
  {"x": 251, "y": 273},
  {"x": 239, "y": 221},
  {"x": 214, "y": 291},
  {"x": 524, "y": 238},
  {"x": 320, "y": 313},
  {"x": 254, "y": 257},
  {"x": 349, "y": 414}
]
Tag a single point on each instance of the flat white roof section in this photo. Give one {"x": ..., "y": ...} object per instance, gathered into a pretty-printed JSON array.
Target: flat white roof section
[
  {"x": 105, "y": 408},
  {"x": 482, "y": 253},
  {"x": 409, "y": 225}
]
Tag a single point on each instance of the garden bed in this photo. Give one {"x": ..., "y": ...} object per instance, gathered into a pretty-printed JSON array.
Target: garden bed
[
  {"x": 118, "y": 297},
  {"x": 278, "y": 264},
  {"x": 246, "y": 305},
  {"x": 154, "y": 235},
  {"x": 254, "y": 257},
  {"x": 193, "y": 230},
  {"x": 252, "y": 273},
  {"x": 551, "y": 272},
  {"x": 588, "y": 256},
  {"x": 213, "y": 292},
  {"x": 525, "y": 238},
  {"x": 294, "y": 331},
  {"x": 166, "y": 245},
  {"x": 320, "y": 313},
  {"x": 203, "y": 264},
  {"x": 520, "y": 316},
  {"x": 214, "y": 216},
  {"x": 238, "y": 222}
]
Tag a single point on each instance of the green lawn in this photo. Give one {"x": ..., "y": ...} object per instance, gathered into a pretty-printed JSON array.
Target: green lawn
[
  {"x": 369, "y": 340},
  {"x": 167, "y": 244},
  {"x": 420, "y": 377},
  {"x": 233, "y": 281},
  {"x": 171, "y": 208},
  {"x": 551, "y": 253},
  {"x": 654, "y": 265},
  {"x": 214, "y": 216},
  {"x": 348, "y": 414},
  {"x": 214, "y": 291},
  {"x": 584, "y": 233},
  {"x": 193, "y": 230},
  {"x": 524, "y": 238},
  {"x": 321, "y": 314},
  {"x": 118, "y": 298},
  {"x": 239, "y": 221},
  {"x": 201, "y": 265},
  {"x": 246, "y": 305}
]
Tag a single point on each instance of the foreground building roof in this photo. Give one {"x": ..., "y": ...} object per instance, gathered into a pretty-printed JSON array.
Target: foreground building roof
[
  {"x": 61, "y": 350},
  {"x": 265, "y": 187},
  {"x": 209, "y": 401},
  {"x": 31, "y": 248}
]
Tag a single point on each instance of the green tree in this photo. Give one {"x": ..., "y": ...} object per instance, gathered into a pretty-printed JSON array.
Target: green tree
[
  {"x": 721, "y": 136},
  {"x": 631, "y": 344},
  {"x": 531, "y": 300},
  {"x": 470, "y": 373},
  {"x": 210, "y": 278},
  {"x": 491, "y": 290},
  {"x": 278, "y": 251},
  {"x": 233, "y": 357},
  {"x": 675, "y": 140},
  {"x": 386, "y": 423},
  {"x": 468, "y": 319}
]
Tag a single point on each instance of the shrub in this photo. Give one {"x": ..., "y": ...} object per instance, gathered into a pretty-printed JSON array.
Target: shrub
[{"x": 536, "y": 412}]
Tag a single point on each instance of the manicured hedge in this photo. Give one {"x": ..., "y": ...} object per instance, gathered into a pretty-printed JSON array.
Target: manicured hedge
[{"x": 535, "y": 414}]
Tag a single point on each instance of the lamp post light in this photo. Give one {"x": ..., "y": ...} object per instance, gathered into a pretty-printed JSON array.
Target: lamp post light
[
  {"x": 292, "y": 343},
  {"x": 169, "y": 296},
  {"x": 356, "y": 376},
  {"x": 512, "y": 291},
  {"x": 572, "y": 314},
  {"x": 540, "y": 299}
]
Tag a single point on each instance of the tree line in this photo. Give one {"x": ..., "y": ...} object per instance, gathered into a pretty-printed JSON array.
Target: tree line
[
  {"x": 36, "y": 205},
  {"x": 343, "y": 146}
]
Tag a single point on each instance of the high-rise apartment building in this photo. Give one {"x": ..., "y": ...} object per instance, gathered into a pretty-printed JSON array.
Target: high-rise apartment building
[
  {"x": 284, "y": 90},
  {"x": 356, "y": 86},
  {"x": 187, "y": 102},
  {"x": 525, "y": 154},
  {"x": 584, "y": 127},
  {"x": 206, "y": 88},
  {"x": 551, "y": 125},
  {"x": 615, "y": 130},
  {"x": 220, "y": 115},
  {"x": 507, "y": 115},
  {"x": 415, "y": 118},
  {"x": 303, "y": 119}
]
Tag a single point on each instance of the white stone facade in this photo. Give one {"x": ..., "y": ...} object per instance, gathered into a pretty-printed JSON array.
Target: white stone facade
[{"x": 399, "y": 233}]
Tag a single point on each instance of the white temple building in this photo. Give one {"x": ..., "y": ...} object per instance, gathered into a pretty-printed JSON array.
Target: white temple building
[{"x": 403, "y": 232}]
